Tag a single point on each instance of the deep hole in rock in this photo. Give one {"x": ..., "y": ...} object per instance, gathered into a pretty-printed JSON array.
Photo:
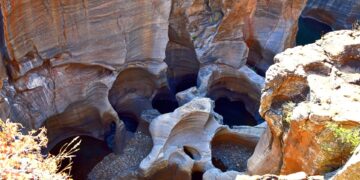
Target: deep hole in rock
[
  {"x": 91, "y": 152},
  {"x": 256, "y": 69},
  {"x": 234, "y": 112},
  {"x": 230, "y": 152},
  {"x": 310, "y": 30},
  {"x": 165, "y": 101},
  {"x": 197, "y": 175},
  {"x": 110, "y": 136},
  {"x": 181, "y": 84},
  {"x": 192, "y": 152},
  {"x": 130, "y": 121}
]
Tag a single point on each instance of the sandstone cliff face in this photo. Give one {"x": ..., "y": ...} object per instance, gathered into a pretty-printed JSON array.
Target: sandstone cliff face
[
  {"x": 309, "y": 90},
  {"x": 339, "y": 14},
  {"x": 64, "y": 57},
  {"x": 272, "y": 29},
  {"x": 83, "y": 64},
  {"x": 236, "y": 32}
]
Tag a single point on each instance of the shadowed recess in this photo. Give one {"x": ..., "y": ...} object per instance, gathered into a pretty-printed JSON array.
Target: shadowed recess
[
  {"x": 234, "y": 113},
  {"x": 91, "y": 152},
  {"x": 183, "y": 83},
  {"x": 197, "y": 175},
  {"x": 310, "y": 30},
  {"x": 192, "y": 153},
  {"x": 165, "y": 101},
  {"x": 130, "y": 121}
]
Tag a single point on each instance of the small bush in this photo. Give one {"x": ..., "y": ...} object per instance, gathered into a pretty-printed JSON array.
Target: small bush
[
  {"x": 348, "y": 136},
  {"x": 21, "y": 158},
  {"x": 287, "y": 109}
]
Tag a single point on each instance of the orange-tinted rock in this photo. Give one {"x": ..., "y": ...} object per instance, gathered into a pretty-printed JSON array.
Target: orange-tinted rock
[
  {"x": 351, "y": 169},
  {"x": 309, "y": 89}
]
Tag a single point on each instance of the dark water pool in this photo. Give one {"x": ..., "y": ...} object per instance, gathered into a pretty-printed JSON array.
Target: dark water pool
[{"x": 310, "y": 30}]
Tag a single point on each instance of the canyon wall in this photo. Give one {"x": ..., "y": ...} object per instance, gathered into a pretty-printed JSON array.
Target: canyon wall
[
  {"x": 84, "y": 67},
  {"x": 62, "y": 59},
  {"x": 339, "y": 14},
  {"x": 85, "y": 64}
]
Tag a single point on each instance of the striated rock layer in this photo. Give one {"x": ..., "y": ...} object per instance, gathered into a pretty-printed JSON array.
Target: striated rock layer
[
  {"x": 87, "y": 64},
  {"x": 311, "y": 98},
  {"x": 227, "y": 32},
  {"x": 339, "y": 14},
  {"x": 66, "y": 60}
]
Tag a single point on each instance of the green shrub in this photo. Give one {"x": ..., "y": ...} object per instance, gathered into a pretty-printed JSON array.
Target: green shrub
[
  {"x": 287, "y": 110},
  {"x": 345, "y": 135}
]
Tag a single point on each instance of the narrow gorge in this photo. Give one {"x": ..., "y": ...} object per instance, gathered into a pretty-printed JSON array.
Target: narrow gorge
[{"x": 187, "y": 89}]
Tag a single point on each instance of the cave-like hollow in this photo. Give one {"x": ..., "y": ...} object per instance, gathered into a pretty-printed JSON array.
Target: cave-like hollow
[
  {"x": 236, "y": 98},
  {"x": 310, "y": 30},
  {"x": 91, "y": 152},
  {"x": 131, "y": 94},
  {"x": 234, "y": 113},
  {"x": 230, "y": 151},
  {"x": 164, "y": 101}
]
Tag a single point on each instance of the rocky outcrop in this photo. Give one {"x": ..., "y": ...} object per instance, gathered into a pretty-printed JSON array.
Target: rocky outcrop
[
  {"x": 339, "y": 14},
  {"x": 310, "y": 102}
]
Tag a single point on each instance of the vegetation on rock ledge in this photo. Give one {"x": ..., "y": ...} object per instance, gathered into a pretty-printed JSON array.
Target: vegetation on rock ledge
[
  {"x": 349, "y": 136},
  {"x": 21, "y": 158}
]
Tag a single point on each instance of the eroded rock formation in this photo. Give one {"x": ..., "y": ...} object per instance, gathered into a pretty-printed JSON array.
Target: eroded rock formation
[
  {"x": 227, "y": 32},
  {"x": 111, "y": 70},
  {"x": 65, "y": 60},
  {"x": 309, "y": 90},
  {"x": 339, "y": 14},
  {"x": 186, "y": 142}
]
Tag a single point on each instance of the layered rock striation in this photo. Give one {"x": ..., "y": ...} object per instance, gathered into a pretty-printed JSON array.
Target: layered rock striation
[
  {"x": 65, "y": 59},
  {"x": 339, "y": 14}
]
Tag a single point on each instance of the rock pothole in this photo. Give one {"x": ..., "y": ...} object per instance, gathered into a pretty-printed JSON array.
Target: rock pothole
[
  {"x": 234, "y": 113},
  {"x": 230, "y": 152},
  {"x": 165, "y": 101}
]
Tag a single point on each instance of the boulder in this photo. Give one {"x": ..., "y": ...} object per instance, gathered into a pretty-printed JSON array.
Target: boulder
[{"x": 310, "y": 102}]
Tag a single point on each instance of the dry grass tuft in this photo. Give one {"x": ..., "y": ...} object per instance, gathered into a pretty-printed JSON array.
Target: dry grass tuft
[{"x": 21, "y": 158}]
